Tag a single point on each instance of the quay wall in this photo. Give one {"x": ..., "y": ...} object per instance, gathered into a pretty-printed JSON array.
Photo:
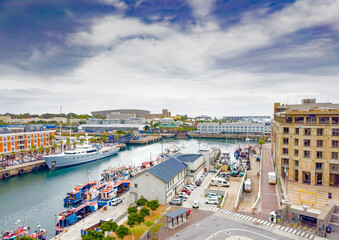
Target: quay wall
[
  {"x": 22, "y": 169},
  {"x": 223, "y": 136}
]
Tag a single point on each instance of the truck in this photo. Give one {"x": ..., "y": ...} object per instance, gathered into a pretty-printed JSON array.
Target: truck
[
  {"x": 219, "y": 182},
  {"x": 247, "y": 185},
  {"x": 272, "y": 178}
]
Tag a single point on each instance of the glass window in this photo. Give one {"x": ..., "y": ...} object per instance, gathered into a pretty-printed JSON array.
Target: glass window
[
  {"x": 319, "y": 132},
  {"x": 335, "y": 155},
  {"x": 289, "y": 120},
  {"x": 296, "y": 142},
  {"x": 307, "y": 143},
  {"x": 311, "y": 119},
  {"x": 296, "y": 163},
  {"x": 335, "y": 132},
  {"x": 307, "y": 154},
  {"x": 318, "y": 165},
  {"x": 297, "y": 131},
  {"x": 296, "y": 152},
  {"x": 335, "y": 143},
  {"x": 285, "y": 150},
  {"x": 335, "y": 120},
  {"x": 285, "y": 141},
  {"x": 286, "y": 130},
  {"x": 319, "y": 155},
  {"x": 299, "y": 120},
  {"x": 319, "y": 143},
  {"x": 307, "y": 132},
  {"x": 324, "y": 120}
]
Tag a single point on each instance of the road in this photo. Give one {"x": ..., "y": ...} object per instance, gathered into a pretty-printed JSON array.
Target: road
[{"x": 269, "y": 196}]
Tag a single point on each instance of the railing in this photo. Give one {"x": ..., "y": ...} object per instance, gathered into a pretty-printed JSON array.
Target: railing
[
  {"x": 240, "y": 191},
  {"x": 254, "y": 207}
]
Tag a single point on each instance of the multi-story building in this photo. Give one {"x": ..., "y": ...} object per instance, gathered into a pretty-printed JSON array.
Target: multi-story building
[
  {"x": 235, "y": 128},
  {"x": 238, "y": 118},
  {"x": 305, "y": 142},
  {"x": 15, "y": 139}
]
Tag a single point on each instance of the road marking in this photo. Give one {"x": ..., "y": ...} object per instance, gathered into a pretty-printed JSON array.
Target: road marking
[
  {"x": 286, "y": 229},
  {"x": 294, "y": 231},
  {"x": 237, "y": 229},
  {"x": 283, "y": 227},
  {"x": 290, "y": 230},
  {"x": 250, "y": 218},
  {"x": 247, "y": 217},
  {"x": 307, "y": 235},
  {"x": 254, "y": 219},
  {"x": 298, "y": 233},
  {"x": 302, "y": 234}
]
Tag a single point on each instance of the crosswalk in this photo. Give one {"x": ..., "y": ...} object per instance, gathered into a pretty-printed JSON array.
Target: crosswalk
[{"x": 258, "y": 221}]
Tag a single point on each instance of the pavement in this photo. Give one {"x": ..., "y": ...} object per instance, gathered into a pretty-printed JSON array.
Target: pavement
[
  {"x": 115, "y": 212},
  {"x": 269, "y": 196}
]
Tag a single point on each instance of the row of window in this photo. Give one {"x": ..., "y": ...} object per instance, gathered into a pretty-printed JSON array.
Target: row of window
[
  {"x": 308, "y": 131},
  {"x": 307, "y": 154},
  {"x": 307, "y": 142},
  {"x": 285, "y": 162},
  {"x": 313, "y": 120}
]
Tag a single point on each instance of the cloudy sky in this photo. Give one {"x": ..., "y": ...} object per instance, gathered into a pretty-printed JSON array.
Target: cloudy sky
[{"x": 213, "y": 57}]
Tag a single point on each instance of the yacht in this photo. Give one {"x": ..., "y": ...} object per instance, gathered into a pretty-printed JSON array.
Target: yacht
[{"x": 81, "y": 154}]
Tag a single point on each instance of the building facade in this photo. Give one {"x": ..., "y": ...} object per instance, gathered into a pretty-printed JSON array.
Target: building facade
[
  {"x": 161, "y": 182},
  {"x": 235, "y": 128},
  {"x": 305, "y": 141},
  {"x": 23, "y": 138},
  {"x": 238, "y": 118},
  {"x": 195, "y": 166}
]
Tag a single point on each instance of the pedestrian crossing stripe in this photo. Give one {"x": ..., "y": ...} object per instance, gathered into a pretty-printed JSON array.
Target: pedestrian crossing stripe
[
  {"x": 306, "y": 235},
  {"x": 303, "y": 234},
  {"x": 294, "y": 231},
  {"x": 290, "y": 230}
]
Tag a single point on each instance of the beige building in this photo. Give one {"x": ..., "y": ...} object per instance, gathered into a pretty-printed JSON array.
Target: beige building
[{"x": 305, "y": 140}]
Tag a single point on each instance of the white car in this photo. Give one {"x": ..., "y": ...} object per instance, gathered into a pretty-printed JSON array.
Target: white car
[
  {"x": 195, "y": 204},
  {"x": 211, "y": 195},
  {"x": 212, "y": 200},
  {"x": 116, "y": 201},
  {"x": 192, "y": 185},
  {"x": 189, "y": 188},
  {"x": 183, "y": 194}
]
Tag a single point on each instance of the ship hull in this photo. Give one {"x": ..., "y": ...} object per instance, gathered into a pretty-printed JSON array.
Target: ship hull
[{"x": 63, "y": 160}]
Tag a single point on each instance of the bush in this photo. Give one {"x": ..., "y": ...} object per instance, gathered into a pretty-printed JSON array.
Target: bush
[
  {"x": 132, "y": 210},
  {"x": 144, "y": 211},
  {"x": 141, "y": 202}
]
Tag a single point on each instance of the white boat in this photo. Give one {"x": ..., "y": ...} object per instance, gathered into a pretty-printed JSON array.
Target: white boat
[{"x": 82, "y": 154}]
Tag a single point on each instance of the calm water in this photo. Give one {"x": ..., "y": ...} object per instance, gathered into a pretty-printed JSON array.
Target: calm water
[{"x": 36, "y": 197}]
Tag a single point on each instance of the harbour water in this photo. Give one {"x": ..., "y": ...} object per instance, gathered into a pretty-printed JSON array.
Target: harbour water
[{"x": 36, "y": 198}]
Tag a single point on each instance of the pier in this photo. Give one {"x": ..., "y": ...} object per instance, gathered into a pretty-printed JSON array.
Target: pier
[
  {"x": 146, "y": 139},
  {"x": 223, "y": 136},
  {"x": 22, "y": 168}
]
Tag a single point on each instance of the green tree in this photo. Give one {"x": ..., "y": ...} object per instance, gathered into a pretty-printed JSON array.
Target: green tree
[
  {"x": 144, "y": 211},
  {"x": 132, "y": 219},
  {"x": 153, "y": 205},
  {"x": 155, "y": 229},
  {"x": 122, "y": 231},
  {"x": 108, "y": 238},
  {"x": 93, "y": 235},
  {"x": 132, "y": 210},
  {"x": 109, "y": 226},
  {"x": 262, "y": 141},
  {"x": 141, "y": 201},
  {"x": 26, "y": 238}
]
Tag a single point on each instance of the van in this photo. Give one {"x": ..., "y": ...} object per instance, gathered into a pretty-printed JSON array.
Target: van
[
  {"x": 219, "y": 182},
  {"x": 248, "y": 185}
]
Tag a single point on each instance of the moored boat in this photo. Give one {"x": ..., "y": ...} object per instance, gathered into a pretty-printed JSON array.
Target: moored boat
[{"x": 19, "y": 232}]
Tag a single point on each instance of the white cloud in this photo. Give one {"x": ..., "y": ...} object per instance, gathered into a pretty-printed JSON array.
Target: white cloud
[{"x": 202, "y": 8}]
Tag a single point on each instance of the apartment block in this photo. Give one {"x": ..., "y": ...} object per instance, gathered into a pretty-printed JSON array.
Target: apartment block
[
  {"x": 15, "y": 139},
  {"x": 305, "y": 141}
]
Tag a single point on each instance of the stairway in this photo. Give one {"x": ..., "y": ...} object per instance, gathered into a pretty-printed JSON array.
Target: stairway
[{"x": 335, "y": 220}]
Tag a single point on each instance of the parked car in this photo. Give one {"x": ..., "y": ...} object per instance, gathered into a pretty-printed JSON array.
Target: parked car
[
  {"x": 186, "y": 191},
  {"x": 198, "y": 183},
  {"x": 183, "y": 194},
  {"x": 212, "y": 200},
  {"x": 176, "y": 201},
  {"x": 181, "y": 197},
  {"x": 195, "y": 204},
  {"x": 116, "y": 201},
  {"x": 188, "y": 187},
  {"x": 192, "y": 185},
  {"x": 211, "y": 195}
]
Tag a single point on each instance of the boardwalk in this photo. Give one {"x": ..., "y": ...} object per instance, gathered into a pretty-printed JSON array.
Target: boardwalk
[{"x": 269, "y": 197}]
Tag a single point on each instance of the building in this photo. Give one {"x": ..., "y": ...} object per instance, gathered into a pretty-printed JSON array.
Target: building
[
  {"x": 166, "y": 120},
  {"x": 165, "y": 114},
  {"x": 101, "y": 128},
  {"x": 161, "y": 182},
  {"x": 170, "y": 128},
  {"x": 121, "y": 112},
  {"x": 15, "y": 139},
  {"x": 235, "y": 128},
  {"x": 238, "y": 118},
  {"x": 305, "y": 142},
  {"x": 195, "y": 165}
]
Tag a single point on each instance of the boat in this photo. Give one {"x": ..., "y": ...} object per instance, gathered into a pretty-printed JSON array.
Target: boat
[
  {"x": 107, "y": 194},
  {"x": 19, "y": 232},
  {"x": 79, "y": 193},
  {"x": 81, "y": 154},
  {"x": 40, "y": 234}
]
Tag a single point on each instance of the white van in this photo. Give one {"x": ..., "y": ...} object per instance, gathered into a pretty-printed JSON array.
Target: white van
[{"x": 219, "y": 182}]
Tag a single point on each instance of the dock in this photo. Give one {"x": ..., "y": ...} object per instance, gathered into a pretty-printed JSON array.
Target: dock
[
  {"x": 146, "y": 140},
  {"x": 22, "y": 168},
  {"x": 224, "y": 136}
]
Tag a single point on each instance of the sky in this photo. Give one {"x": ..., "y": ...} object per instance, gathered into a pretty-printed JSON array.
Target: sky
[{"x": 195, "y": 57}]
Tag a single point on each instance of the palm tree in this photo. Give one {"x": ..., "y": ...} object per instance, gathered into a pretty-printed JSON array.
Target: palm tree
[
  {"x": 51, "y": 138},
  {"x": 34, "y": 149},
  {"x": 22, "y": 152},
  {"x": 68, "y": 142},
  {"x": 54, "y": 147},
  {"x": 41, "y": 150},
  {"x": 2, "y": 158},
  {"x": 13, "y": 156},
  {"x": 48, "y": 149}
]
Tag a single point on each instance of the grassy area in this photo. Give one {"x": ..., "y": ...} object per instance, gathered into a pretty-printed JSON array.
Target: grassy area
[{"x": 140, "y": 229}]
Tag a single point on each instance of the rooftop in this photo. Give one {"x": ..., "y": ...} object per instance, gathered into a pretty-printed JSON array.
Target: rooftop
[
  {"x": 189, "y": 157},
  {"x": 177, "y": 212},
  {"x": 168, "y": 169}
]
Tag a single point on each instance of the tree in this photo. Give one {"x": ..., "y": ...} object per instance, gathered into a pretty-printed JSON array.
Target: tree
[
  {"x": 26, "y": 238},
  {"x": 141, "y": 201},
  {"x": 153, "y": 205},
  {"x": 108, "y": 238},
  {"x": 144, "y": 211},
  {"x": 132, "y": 210},
  {"x": 93, "y": 235},
  {"x": 262, "y": 141},
  {"x": 155, "y": 229},
  {"x": 109, "y": 226},
  {"x": 122, "y": 231},
  {"x": 132, "y": 219}
]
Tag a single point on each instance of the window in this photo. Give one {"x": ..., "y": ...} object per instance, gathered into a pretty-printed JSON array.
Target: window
[
  {"x": 297, "y": 131},
  {"x": 296, "y": 152},
  {"x": 307, "y": 143},
  {"x": 285, "y": 150},
  {"x": 296, "y": 142},
  {"x": 285, "y": 141},
  {"x": 318, "y": 165},
  {"x": 319, "y": 143},
  {"x": 307, "y": 132},
  {"x": 335, "y": 120},
  {"x": 319, "y": 155},
  {"x": 289, "y": 120},
  {"x": 324, "y": 120},
  {"x": 311, "y": 119},
  {"x": 335, "y": 144},
  {"x": 335, "y": 155},
  {"x": 335, "y": 132},
  {"x": 299, "y": 120},
  {"x": 285, "y": 162},
  {"x": 307, "y": 154},
  {"x": 296, "y": 163},
  {"x": 320, "y": 132},
  {"x": 286, "y": 130}
]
